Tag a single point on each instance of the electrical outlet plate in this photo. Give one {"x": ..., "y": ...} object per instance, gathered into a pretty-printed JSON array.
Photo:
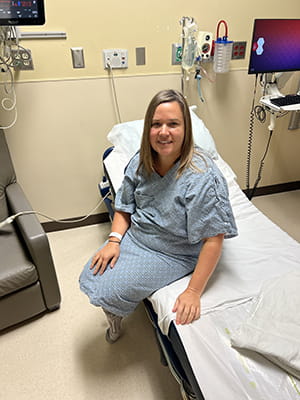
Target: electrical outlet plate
[
  {"x": 115, "y": 58},
  {"x": 22, "y": 59}
]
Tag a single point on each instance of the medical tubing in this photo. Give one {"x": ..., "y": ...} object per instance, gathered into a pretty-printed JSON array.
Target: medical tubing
[
  {"x": 11, "y": 218},
  {"x": 198, "y": 77},
  {"x": 8, "y": 38},
  {"x": 226, "y": 28}
]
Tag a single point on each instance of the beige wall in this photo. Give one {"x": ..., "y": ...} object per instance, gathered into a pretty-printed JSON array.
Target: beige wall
[{"x": 64, "y": 114}]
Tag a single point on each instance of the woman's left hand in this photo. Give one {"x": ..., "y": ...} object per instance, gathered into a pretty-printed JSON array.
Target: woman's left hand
[{"x": 187, "y": 307}]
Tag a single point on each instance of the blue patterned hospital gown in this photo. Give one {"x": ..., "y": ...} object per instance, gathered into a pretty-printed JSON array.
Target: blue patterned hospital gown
[{"x": 169, "y": 218}]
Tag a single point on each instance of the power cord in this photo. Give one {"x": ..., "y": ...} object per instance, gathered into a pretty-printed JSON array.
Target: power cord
[
  {"x": 250, "y": 139},
  {"x": 11, "y": 218},
  {"x": 259, "y": 174},
  {"x": 114, "y": 91}
]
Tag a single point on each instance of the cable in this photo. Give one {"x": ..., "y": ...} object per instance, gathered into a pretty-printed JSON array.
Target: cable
[
  {"x": 8, "y": 39},
  {"x": 261, "y": 166},
  {"x": 250, "y": 139},
  {"x": 114, "y": 92},
  {"x": 11, "y": 218},
  {"x": 260, "y": 113}
]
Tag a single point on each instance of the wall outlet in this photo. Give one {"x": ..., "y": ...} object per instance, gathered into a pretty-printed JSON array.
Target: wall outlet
[
  {"x": 115, "y": 58},
  {"x": 21, "y": 59},
  {"x": 176, "y": 53}
]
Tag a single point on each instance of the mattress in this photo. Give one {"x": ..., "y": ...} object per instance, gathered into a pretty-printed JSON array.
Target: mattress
[{"x": 261, "y": 252}]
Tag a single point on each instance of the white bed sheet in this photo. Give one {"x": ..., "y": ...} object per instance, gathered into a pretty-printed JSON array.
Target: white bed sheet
[
  {"x": 273, "y": 326},
  {"x": 260, "y": 252}
]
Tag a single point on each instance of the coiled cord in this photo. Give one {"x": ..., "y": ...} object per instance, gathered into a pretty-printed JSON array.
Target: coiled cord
[
  {"x": 250, "y": 140},
  {"x": 259, "y": 174}
]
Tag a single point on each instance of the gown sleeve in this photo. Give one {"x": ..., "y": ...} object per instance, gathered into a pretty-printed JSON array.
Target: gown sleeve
[
  {"x": 208, "y": 208},
  {"x": 125, "y": 200}
]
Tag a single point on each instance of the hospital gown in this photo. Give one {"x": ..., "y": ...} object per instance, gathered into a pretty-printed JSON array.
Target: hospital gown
[{"x": 170, "y": 217}]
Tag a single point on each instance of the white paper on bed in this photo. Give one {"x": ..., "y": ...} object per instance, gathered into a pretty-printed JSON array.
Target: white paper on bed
[
  {"x": 223, "y": 372},
  {"x": 273, "y": 327},
  {"x": 260, "y": 252}
]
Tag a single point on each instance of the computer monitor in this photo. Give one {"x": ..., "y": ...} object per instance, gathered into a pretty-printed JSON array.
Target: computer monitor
[
  {"x": 275, "y": 46},
  {"x": 22, "y": 12}
]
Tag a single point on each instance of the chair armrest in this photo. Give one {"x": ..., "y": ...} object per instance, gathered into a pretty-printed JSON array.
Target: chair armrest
[{"x": 37, "y": 243}]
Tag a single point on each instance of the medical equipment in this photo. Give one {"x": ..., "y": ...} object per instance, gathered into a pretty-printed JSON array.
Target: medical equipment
[
  {"x": 275, "y": 50},
  {"x": 222, "y": 50},
  {"x": 14, "y": 13},
  {"x": 204, "y": 45},
  {"x": 275, "y": 46},
  {"x": 189, "y": 28}
]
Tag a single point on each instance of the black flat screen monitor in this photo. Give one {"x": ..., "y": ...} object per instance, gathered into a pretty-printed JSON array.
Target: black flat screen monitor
[
  {"x": 22, "y": 12},
  {"x": 275, "y": 46}
]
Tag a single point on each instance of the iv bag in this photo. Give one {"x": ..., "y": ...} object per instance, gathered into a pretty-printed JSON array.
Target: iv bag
[
  {"x": 189, "y": 47},
  {"x": 188, "y": 54}
]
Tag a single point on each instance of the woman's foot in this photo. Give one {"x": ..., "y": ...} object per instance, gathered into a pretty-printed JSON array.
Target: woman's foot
[{"x": 114, "y": 331}]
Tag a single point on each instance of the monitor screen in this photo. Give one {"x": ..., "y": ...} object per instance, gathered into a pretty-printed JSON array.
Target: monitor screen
[
  {"x": 22, "y": 12},
  {"x": 275, "y": 46}
]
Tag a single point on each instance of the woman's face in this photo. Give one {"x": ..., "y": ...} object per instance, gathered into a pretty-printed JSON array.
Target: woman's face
[{"x": 167, "y": 131}]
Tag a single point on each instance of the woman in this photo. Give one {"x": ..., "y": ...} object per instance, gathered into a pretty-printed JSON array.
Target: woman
[{"x": 171, "y": 215}]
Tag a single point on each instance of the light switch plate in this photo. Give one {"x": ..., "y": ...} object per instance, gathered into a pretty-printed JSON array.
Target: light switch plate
[{"x": 77, "y": 57}]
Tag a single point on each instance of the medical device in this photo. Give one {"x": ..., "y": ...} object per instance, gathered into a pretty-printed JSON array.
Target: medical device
[
  {"x": 204, "y": 45},
  {"x": 196, "y": 48},
  {"x": 15, "y": 12},
  {"x": 275, "y": 46},
  {"x": 274, "y": 55},
  {"x": 189, "y": 28},
  {"x": 222, "y": 50}
]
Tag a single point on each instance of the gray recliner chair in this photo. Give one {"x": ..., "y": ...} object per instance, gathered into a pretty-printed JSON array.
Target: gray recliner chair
[{"x": 28, "y": 282}]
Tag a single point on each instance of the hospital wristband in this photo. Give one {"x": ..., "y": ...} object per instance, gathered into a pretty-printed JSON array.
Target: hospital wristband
[{"x": 115, "y": 234}]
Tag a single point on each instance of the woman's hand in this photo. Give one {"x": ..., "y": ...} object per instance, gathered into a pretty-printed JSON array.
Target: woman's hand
[
  {"x": 187, "y": 307},
  {"x": 109, "y": 253}
]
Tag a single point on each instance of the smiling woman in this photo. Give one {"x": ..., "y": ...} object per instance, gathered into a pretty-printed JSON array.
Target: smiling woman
[
  {"x": 148, "y": 247},
  {"x": 169, "y": 111},
  {"x": 167, "y": 135}
]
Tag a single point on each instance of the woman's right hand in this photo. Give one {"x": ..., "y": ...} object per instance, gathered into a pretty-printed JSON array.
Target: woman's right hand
[{"x": 108, "y": 254}]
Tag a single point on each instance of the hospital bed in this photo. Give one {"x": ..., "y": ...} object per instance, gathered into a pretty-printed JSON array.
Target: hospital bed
[{"x": 246, "y": 345}]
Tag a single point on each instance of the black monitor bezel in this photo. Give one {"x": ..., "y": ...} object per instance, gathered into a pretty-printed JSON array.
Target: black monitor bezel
[
  {"x": 251, "y": 46},
  {"x": 39, "y": 20}
]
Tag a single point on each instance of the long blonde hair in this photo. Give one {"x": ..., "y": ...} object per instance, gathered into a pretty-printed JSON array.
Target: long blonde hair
[{"x": 147, "y": 154}]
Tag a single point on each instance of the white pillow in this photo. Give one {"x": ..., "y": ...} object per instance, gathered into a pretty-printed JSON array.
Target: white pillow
[{"x": 126, "y": 136}]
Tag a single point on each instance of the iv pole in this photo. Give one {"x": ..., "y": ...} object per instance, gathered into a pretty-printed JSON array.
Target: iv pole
[{"x": 183, "y": 22}]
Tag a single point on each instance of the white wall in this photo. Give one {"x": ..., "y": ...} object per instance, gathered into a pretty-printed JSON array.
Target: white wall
[{"x": 64, "y": 114}]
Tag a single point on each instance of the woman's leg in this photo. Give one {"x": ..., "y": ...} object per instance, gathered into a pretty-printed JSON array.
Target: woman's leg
[{"x": 114, "y": 331}]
